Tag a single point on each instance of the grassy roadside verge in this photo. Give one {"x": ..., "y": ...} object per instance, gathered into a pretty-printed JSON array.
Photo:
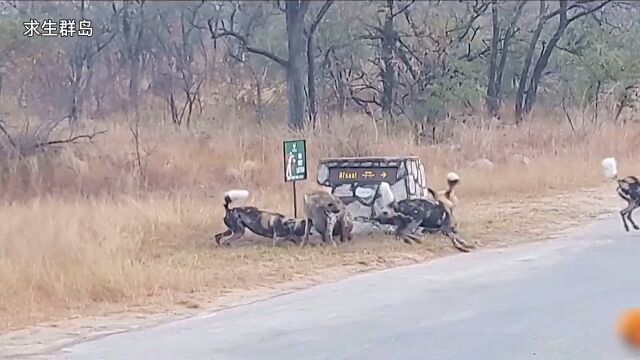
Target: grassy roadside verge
[
  {"x": 255, "y": 271},
  {"x": 84, "y": 233},
  {"x": 191, "y": 273}
]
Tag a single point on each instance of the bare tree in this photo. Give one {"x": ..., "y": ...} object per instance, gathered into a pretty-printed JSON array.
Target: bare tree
[
  {"x": 524, "y": 73},
  {"x": 293, "y": 65},
  {"x": 132, "y": 23},
  {"x": 83, "y": 55},
  {"x": 386, "y": 34},
  {"x": 578, "y": 9},
  {"x": 177, "y": 54},
  {"x": 311, "y": 64},
  {"x": 498, "y": 53}
]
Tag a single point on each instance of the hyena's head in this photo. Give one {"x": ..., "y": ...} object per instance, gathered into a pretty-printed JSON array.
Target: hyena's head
[
  {"x": 332, "y": 207},
  {"x": 325, "y": 202}
]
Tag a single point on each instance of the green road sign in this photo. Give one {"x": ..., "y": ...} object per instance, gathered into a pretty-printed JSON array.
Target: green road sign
[{"x": 295, "y": 160}]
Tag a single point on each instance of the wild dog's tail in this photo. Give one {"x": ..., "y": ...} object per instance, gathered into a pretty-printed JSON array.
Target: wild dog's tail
[
  {"x": 233, "y": 195},
  {"x": 385, "y": 194},
  {"x": 452, "y": 179},
  {"x": 433, "y": 194},
  {"x": 610, "y": 167}
]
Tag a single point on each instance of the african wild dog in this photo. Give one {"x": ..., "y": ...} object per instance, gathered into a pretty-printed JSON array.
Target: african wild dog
[
  {"x": 432, "y": 215},
  {"x": 267, "y": 224},
  {"x": 628, "y": 189},
  {"x": 328, "y": 215}
]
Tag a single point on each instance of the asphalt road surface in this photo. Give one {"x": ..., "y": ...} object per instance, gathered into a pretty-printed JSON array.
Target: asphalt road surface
[{"x": 552, "y": 300}]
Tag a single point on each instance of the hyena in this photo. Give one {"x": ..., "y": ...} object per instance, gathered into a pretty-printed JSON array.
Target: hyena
[
  {"x": 263, "y": 223},
  {"x": 328, "y": 215},
  {"x": 628, "y": 189}
]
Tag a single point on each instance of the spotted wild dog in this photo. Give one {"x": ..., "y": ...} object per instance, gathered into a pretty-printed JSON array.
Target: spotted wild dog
[
  {"x": 628, "y": 189},
  {"x": 263, "y": 223},
  {"x": 432, "y": 215},
  {"x": 328, "y": 215}
]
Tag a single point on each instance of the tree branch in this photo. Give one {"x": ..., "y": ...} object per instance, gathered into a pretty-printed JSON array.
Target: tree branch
[
  {"x": 323, "y": 10},
  {"x": 589, "y": 11},
  {"x": 4, "y": 131},
  {"x": 403, "y": 9},
  {"x": 71, "y": 139},
  {"x": 215, "y": 34}
]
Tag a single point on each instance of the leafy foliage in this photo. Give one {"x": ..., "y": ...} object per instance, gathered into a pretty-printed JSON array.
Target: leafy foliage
[{"x": 439, "y": 53}]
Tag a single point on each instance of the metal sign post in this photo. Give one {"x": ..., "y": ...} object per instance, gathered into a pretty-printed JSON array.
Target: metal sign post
[{"x": 295, "y": 165}]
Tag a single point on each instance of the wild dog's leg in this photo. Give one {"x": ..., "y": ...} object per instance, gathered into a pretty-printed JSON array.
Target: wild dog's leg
[
  {"x": 464, "y": 243},
  {"x": 406, "y": 229},
  {"x": 295, "y": 239},
  {"x": 282, "y": 230},
  {"x": 307, "y": 231},
  {"x": 457, "y": 242},
  {"x": 413, "y": 230},
  {"x": 277, "y": 238},
  {"x": 430, "y": 231},
  {"x": 222, "y": 234},
  {"x": 623, "y": 214},
  {"x": 635, "y": 226},
  {"x": 237, "y": 234},
  {"x": 408, "y": 238}
]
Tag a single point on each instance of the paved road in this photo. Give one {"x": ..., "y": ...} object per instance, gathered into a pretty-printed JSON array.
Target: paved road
[{"x": 552, "y": 300}]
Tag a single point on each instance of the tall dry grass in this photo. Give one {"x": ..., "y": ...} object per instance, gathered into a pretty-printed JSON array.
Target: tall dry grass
[{"x": 82, "y": 228}]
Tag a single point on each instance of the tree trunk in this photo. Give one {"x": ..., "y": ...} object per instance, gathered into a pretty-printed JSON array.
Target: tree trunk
[
  {"x": 295, "y": 11},
  {"x": 506, "y": 43},
  {"x": 387, "y": 52},
  {"x": 311, "y": 65},
  {"x": 524, "y": 74},
  {"x": 135, "y": 61},
  {"x": 491, "y": 101},
  {"x": 134, "y": 80},
  {"x": 311, "y": 80},
  {"x": 543, "y": 60}
]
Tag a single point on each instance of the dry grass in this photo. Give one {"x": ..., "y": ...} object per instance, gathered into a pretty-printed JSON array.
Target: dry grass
[{"x": 79, "y": 235}]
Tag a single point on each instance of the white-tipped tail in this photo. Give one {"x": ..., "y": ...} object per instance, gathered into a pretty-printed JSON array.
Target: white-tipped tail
[
  {"x": 452, "y": 177},
  {"x": 385, "y": 194},
  {"x": 233, "y": 195},
  {"x": 610, "y": 168}
]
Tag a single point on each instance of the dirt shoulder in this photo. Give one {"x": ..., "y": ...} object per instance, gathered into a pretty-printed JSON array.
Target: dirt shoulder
[{"x": 494, "y": 222}]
